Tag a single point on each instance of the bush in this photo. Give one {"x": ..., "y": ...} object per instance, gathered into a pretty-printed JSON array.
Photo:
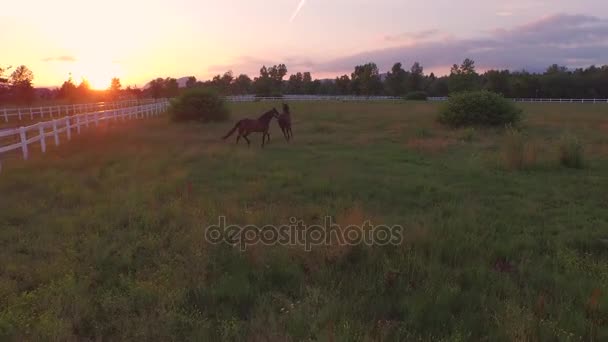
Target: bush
[
  {"x": 416, "y": 96},
  {"x": 517, "y": 153},
  {"x": 479, "y": 108},
  {"x": 571, "y": 152},
  {"x": 198, "y": 105}
]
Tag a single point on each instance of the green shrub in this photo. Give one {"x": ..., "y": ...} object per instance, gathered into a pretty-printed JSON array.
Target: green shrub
[
  {"x": 571, "y": 152},
  {"x": 199, "y": 105},
  {"x": 479, "y": 108},
  {"x": 416, "y": 96}
]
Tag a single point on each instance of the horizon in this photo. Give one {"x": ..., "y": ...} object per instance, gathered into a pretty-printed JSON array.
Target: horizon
[{"x": 175, "y": 40}]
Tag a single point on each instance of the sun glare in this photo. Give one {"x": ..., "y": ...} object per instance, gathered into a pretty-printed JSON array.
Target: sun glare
[{"x": 98, "y": 74}]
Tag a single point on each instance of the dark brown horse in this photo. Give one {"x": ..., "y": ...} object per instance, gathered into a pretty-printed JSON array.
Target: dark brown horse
[
  {"x": 285, "y": 122},
  {"x": 248, "y": 126}
]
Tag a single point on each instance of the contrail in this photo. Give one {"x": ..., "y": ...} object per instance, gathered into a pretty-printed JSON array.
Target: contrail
[{"x": 295, "y": 13}]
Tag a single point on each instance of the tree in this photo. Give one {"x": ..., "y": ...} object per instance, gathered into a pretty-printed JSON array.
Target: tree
[
  {"x": 395, "y": 80},
  {"x": 416, "y": 77},
  {"x": 276, "y": 73},
  {"x": 115, "y": 88},
  {"x": 343, "y": 85},
  {"x": 222, "y": 83},
  {"x": 83, "y": 91},
  {"x": 263, "y": 84},
  {"x": 171, "y": 88},
  {"x": 3, "y": 83},
  {"x": 21, "y": 84},
  {"x": 241, "y": 85},
  {"x": 191, "y": 82},
  {"x": 463, "y": 77},
  {"x": 67, "y": 90},
  {"x": 156, "y": 88},
  {"x": 294, "y": 84},
  {"x": 366, "y": 80},
  {"x": 309, "y": 86},
  {"x": 497, "y": 81},
  {"x": 270, "y": 80}
]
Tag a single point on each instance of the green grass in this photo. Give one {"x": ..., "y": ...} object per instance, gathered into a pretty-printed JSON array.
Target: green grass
[{"x": 103, "y": 237}]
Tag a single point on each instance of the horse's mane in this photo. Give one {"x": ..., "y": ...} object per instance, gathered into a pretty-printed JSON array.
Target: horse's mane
[{"x": 265, "y": 115}]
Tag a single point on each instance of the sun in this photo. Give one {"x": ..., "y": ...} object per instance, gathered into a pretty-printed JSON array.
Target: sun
[{"x": 99, "y": 74}]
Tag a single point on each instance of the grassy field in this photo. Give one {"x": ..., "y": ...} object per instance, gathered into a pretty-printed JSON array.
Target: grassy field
[{"x": 103, "y": 238}]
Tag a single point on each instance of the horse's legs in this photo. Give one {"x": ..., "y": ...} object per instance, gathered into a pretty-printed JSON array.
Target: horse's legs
[
  {"x": 238, "y": 137},
  {"x": 248, "y": 142},
  {"x": 290, "y": 132},
  {"x": 284, "y": 132}
]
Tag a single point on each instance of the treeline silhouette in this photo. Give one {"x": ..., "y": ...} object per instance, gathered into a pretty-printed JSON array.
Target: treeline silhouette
[
  {"x": 556, "y": 82},
  {"x": 17, "y": 88}
]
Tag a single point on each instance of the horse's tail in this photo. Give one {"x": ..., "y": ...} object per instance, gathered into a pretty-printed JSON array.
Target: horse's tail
[{"x": 233, "y": 130}]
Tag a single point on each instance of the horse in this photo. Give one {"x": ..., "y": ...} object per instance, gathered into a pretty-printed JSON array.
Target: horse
[
  {"x": 285, "y": 122},
  {"x": 248, "y": 126}
]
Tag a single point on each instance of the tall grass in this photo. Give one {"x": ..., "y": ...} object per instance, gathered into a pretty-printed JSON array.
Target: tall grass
[
  {"x": 517, "y": 152},
  {"x": 571, "y": 152}
]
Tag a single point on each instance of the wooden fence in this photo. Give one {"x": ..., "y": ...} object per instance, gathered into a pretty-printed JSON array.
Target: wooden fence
[
  {"x": 23, "y": 137},
  {"x": 50, "y": 112}
]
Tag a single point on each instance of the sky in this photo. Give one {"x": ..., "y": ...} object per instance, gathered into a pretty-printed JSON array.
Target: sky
[{"x": 138, "y": 41}]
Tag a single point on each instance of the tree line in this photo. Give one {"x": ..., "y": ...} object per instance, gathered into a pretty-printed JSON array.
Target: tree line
[
  {"x": 555, "y": 82},
  {"x": 17, "y": 86}
]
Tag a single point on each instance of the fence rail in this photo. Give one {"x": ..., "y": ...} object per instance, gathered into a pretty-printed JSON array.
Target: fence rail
[
  {"x": 63, "y": 110},
  {"x": 21, "y": 138},
  {"x": 252, "y": 98}
]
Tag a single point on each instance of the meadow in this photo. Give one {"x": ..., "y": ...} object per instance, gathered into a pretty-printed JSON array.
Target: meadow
[{"x": 103, "y": 238}]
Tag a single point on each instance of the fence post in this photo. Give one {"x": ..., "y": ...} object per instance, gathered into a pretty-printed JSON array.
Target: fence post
[
  {"x": 86, "y": 119},
  {"x": 78, "y": 124},
  {"x": 69, "y": 127},
  {"x": 19, "y": 114},
  {"x": 95, "y": 116},
  {"x": 31, "y": 113},
  {"x": 23, "y": 137},
  {"x": 42, "y": 140},
  {"x": 55, "y": 133},
  {"x": 5, "y": 114}
]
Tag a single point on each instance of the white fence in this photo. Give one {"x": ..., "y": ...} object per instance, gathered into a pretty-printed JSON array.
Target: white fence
[
  {"x": 22, "y": 137},
  {"x": 564, "y": 100},
  {"x": 253, "y": 98},
  {"x": 63, "y": 110}
]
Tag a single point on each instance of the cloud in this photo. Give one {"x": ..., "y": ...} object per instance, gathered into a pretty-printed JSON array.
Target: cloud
[
  {"x": 60, "y": 59},
  {"x": 504, "y": 13},
  {"x": 571, "y": 40},
  {"x": 409, "y": 36}
]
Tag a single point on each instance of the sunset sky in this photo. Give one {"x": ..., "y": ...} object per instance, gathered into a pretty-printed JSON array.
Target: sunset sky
[{"x": 140, "y": 40}]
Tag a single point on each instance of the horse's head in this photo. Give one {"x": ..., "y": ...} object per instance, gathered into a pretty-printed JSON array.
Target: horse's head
[
  {"x": 285, "y": 108},
  {"x": 275, "y": 112}
]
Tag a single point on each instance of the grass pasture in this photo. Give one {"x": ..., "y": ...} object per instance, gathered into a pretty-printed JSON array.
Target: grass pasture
[{"x": 102, "y": 238}]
